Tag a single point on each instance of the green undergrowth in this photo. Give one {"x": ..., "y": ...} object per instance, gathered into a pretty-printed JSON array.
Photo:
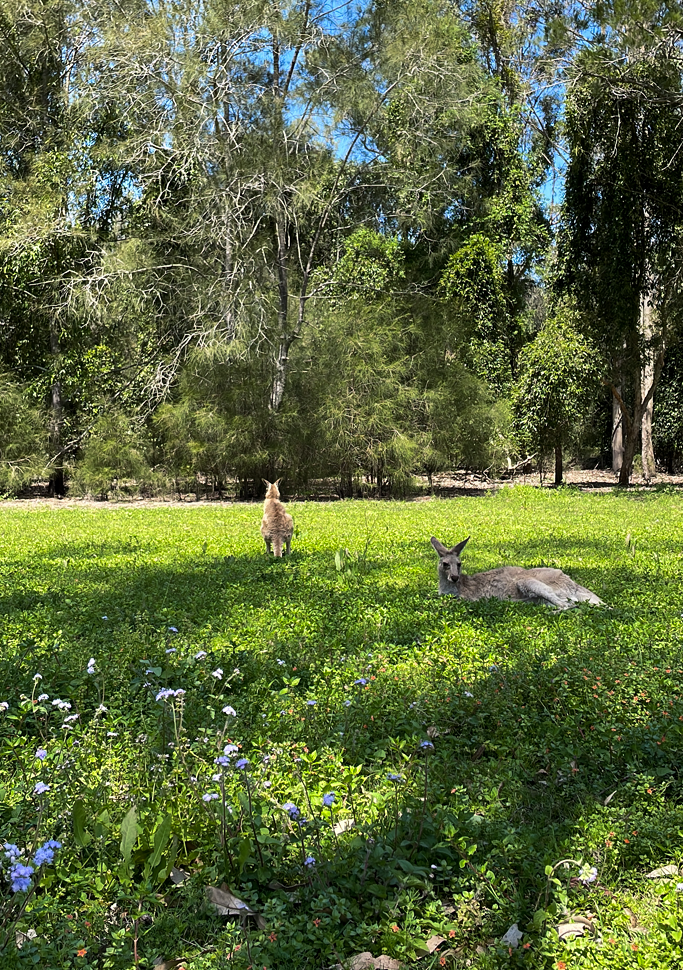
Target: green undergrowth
[{"x": 398, "y": 766}]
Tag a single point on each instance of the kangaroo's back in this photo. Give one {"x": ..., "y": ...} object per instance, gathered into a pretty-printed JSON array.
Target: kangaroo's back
[{"x": 277, "y": 524}]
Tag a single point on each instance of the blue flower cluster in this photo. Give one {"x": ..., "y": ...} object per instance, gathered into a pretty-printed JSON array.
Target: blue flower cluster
[
  {"x": 46, "y": 853},
  {"x": 20, "y": 878},
  {"x": 166, "y": 692},
  {"x": 19, "y": 875}
]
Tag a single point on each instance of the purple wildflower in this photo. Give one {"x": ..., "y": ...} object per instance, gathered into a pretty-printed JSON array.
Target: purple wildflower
[
  {"x": 46, "y": 853},
  {"x": 20, "y": 878},
  {"x": 12, "y": 852}
]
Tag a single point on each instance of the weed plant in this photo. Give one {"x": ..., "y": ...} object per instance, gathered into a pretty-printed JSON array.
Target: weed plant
[{"x": 362, "y": 764}]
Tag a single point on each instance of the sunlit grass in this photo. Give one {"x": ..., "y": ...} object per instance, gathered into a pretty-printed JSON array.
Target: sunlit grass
[{"x": 555, "y": 735}]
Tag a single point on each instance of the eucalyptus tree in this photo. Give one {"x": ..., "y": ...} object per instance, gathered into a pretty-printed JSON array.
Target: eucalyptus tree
[
  {"x": 61, "y": 197},
  {"x": 37, "y": 48},
  {"x": 255, "y": 134},
  {"x": 622, "y": 214}
]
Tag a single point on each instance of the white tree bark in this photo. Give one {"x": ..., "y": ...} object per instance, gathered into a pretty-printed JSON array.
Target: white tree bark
[
  {"x": 617, "y": 436},
  {"x": 647, "y": 376}
]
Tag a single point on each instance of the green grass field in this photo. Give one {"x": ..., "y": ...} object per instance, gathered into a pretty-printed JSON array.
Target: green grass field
[{"x": 555, "y": 736}]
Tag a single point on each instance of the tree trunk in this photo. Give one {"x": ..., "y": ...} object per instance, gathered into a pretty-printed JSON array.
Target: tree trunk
[
  {"x": 284, "y": 337},
  {"x": 647, "y": 374},
  {"x": 632, "y": 423},
  {"x": 558, "y": 464},
  {"x": 617, "y": 435},
  {"x": 629, "y": 455},
  {"x": 56, "y": 484}
]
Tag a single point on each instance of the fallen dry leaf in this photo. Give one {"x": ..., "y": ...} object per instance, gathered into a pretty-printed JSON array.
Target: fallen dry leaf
[
  {"x": 429, "y": 946},
  {"x": 343, "y": 826},
  {"x": 383, "y": 962},
  {"x": 22, "y": 937},
  {"x": 177, "y": 875},
  {"x": 226, "y": 904},
  {"x": 663, "y": 872},
  {"x": 577, "y": 926}
]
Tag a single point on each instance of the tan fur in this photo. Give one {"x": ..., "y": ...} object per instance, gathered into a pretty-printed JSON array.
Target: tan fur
[
  {"x": 277, "y": 525},
  {"x": 538, "y": 585}
]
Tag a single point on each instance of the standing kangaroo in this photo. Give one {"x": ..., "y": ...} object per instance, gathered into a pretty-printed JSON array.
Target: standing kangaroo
[
  {"x": 277, "y": 525},
  {"x": 538, "y": 585}
]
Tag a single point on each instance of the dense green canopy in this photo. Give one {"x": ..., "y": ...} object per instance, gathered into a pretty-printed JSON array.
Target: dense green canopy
[{"x": 299, "y": 239}]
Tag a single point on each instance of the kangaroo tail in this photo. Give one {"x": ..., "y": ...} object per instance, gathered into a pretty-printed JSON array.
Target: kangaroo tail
[{"x": 277, "y": 546}]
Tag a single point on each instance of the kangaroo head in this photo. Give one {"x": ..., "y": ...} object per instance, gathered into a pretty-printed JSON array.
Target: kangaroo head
[
  {"x": 449, "y": 559},
  {"x": 272, "y": 488}
]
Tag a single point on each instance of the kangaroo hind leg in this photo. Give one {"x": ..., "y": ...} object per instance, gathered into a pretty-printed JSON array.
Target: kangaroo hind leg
[{"x": 534, "y": 590}]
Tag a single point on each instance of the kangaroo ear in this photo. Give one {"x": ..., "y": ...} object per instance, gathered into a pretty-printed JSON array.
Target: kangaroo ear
[
  {"x": 266, "y": 482},
  {"x": 278, "y": 481},
  {"x": 441, "y": 549},
  {"x": 460, "y": 546}
]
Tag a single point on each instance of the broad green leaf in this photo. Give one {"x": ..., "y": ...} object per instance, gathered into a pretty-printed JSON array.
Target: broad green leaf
[
  {"x": 161, "y": 836},
  {"x": 129, "y": 833},
  {"x": 81, "y": 836},
  {"x": 244, "y": 852}
]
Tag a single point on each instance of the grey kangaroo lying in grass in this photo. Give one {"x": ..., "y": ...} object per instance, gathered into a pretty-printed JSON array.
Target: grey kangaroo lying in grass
[{"x": 538, "y": 585}]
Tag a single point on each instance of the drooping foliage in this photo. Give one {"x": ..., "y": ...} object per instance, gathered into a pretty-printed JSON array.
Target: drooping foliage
[{"x": 309, "y": 240}]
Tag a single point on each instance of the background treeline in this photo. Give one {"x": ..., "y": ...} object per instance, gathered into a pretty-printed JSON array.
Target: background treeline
[{"x": 355, "y": 240}]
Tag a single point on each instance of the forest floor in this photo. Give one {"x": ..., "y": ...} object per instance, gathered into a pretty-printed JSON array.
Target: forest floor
[
  {"x": 353, "y": 769},
  {"x": 444, "y": 485}
]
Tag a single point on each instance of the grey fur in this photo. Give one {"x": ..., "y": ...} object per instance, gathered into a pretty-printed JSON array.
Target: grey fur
[{"x": 538, "y": 585}]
